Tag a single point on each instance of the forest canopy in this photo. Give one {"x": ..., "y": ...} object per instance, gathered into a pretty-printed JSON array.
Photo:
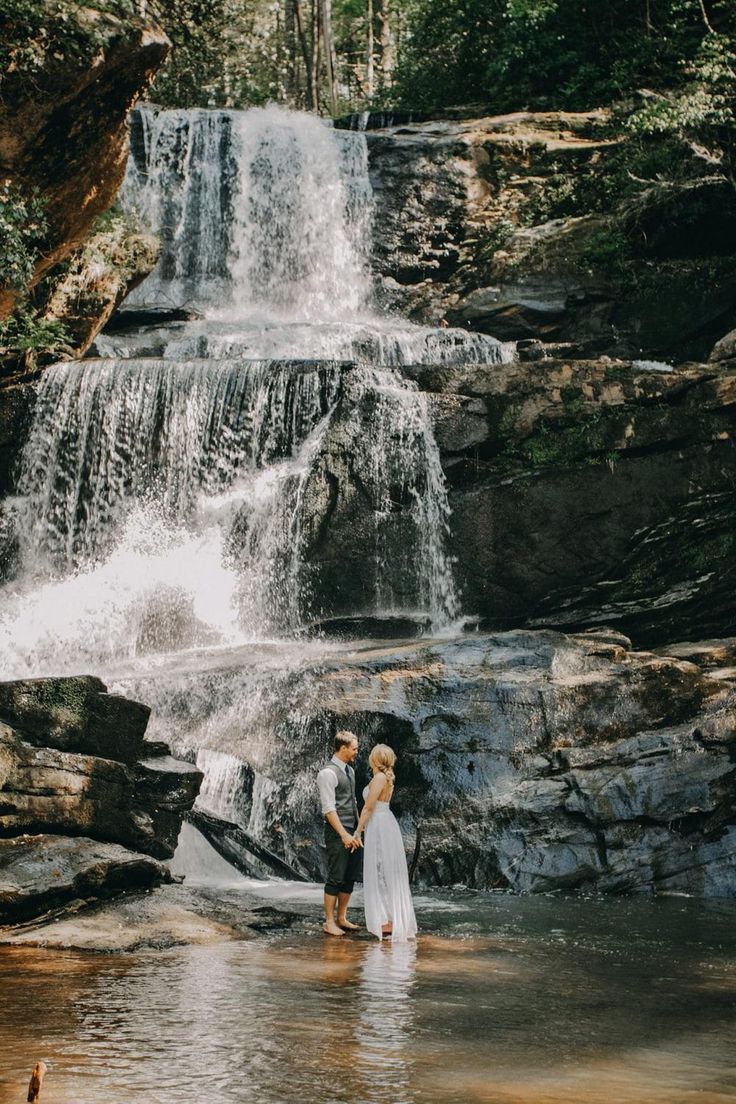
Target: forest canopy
[{"x": 426, "y": 55}]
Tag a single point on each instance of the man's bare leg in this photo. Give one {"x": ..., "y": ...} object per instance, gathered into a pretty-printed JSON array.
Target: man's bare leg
[
  {"x": 329, "y": 925},
  {"x": 343, "y": 900}
]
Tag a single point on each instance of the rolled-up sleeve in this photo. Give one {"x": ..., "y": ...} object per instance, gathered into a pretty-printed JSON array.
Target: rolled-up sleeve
[{"x": 327, "y": 785}]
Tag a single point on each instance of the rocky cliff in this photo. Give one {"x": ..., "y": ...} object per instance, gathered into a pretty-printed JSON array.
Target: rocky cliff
[
  {"x": 63, "y": 125},
  {"x": 71, "y": 74},
  {"x": 86, "y": 806},
  {"x": 582, "y": 492},
  {"x": 513, "y": 225}
]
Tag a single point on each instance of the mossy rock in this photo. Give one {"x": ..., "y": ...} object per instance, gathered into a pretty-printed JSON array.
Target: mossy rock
[{"x": 74, "y": 714}]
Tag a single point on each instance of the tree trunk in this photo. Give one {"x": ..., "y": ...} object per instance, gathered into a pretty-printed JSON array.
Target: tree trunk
[
  {"x": 385, "y": 43},
  {"x": 706, "y": 20},
  {"x": 330, "y": 55},
  {"x": 369, "y": 72},
  {"x": 292, "y": 82},
  {"x": 306, "y": 55},
  {"x": 314, "y": 68}
]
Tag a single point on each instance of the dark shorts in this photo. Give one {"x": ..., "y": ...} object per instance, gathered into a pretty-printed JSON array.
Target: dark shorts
[{"x": 344, "y": 867}]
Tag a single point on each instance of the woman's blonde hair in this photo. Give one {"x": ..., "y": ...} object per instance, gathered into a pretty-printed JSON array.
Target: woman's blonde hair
[{"x": 383, "y": 758}]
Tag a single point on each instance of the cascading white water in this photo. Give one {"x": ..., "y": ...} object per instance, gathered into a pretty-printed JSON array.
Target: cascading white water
[
  {"x": 388, "y": 342},
  {"x": 109, "y": 436},
  {"x": 396, "y": 447},
  {"x": 173, "y": 487},
  {"x": 264, "y": 214},
  {"x": 265, "y": 219},
  {"x": 137, "y": 483}
]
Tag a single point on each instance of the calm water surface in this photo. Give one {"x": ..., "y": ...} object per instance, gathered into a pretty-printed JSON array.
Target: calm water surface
[{"x": 502, "y": 1000}]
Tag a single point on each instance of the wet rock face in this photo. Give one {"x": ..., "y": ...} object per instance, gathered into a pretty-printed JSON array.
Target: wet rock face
[
  {"x": 420, "y": 191},
  {"x": 530, "y": 760},
  {"x": 582, "y": 492},
  {"x": 542, "y": 762},
  {"x": 73, "y": 763}
]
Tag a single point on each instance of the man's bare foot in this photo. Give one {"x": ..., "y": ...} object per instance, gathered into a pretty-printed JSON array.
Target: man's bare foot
[
  {"x": 346, "y": 925},
  {"x": 331, "y": 928}
]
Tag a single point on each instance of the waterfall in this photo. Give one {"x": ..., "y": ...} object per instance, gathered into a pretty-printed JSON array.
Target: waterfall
[
  {"x": 109, "y": 435},
  {"x": 262, "y": 213},
  {"x": 167, "y": 504},
  {"x": 177, "y": 489},
  {"x": 265, "y": 218}
]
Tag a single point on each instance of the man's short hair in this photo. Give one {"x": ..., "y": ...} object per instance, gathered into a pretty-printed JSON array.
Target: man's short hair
[{"x": 343, "y": 738}]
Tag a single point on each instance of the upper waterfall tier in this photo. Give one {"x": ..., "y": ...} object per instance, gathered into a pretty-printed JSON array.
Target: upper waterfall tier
[
  {"x": 265, "y": 218},
  {"x": 264, "y": 213}
]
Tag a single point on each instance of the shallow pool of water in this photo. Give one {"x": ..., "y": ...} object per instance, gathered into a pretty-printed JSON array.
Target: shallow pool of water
[{"x": 501, "y": 1000}]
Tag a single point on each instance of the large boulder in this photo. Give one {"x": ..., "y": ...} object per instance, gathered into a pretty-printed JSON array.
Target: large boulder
[
  {"x": 75, "y": 715},
  {"x": 724, "y": 348},
  {"x": 98, "y": 276},
  {"x": 63, "y": 119},
  {"x": 38, "y": 873},
  {"x": 528, "y": 760},
  {"x": 74, "y": 763}
]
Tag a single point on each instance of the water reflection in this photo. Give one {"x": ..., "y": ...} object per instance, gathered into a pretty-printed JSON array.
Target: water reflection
[
  {"x": 385, "y": 1022},
  {"x": 552, "y": 1001}
]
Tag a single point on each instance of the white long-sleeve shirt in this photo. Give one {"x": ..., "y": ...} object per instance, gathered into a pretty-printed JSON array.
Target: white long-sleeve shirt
[{"x": 327, "y": 785}]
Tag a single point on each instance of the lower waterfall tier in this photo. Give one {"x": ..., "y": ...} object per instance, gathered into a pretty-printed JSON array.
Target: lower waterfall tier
[
  {"x": 212, "y": 503},
  {"x": 164, "y": 505}
]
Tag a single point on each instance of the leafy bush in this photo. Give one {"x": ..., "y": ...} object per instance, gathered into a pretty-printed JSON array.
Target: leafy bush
[
  {"x": 22, "y": 229},
  {"x": 701, "y": 114},
  {"x": 27, "y": 339}
]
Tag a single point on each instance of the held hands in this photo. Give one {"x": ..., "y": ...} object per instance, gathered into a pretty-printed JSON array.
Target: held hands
[{"x": 351, "y": 843}]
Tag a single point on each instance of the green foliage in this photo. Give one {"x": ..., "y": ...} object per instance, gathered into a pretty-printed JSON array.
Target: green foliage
[
  {"x": 26, "y": 339},
  {"x": 609, "y": 248},
  {"x": 547, "y": 53},
  {"x": 22, "y": 230},
  {"x": 224, "y": 55},
  {"x": 701, "y": 114},
  {"x": 37, "y": 36},
  {"x": 241, "y": 53},
  {"x": 498, "y": 237}
]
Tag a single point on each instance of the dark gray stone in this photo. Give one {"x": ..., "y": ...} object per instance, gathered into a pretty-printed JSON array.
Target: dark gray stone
[
  {"x": 531, "y": 760},
  {"x": 75, "y": 714},
  {"x": 38, "y": 873}
]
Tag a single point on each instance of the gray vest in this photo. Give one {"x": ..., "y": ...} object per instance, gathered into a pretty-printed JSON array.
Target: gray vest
[{"x": 346, "y": 805}]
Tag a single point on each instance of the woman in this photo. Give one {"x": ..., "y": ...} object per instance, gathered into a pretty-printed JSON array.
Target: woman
[{"x": 387, "y": 897}]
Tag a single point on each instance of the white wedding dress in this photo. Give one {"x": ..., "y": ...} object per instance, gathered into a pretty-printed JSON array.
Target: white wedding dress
[{"x": 386, "y": 893}]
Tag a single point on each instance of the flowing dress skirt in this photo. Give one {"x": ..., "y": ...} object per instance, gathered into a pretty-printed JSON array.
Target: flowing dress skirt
[{"x": 386, "y": 893}]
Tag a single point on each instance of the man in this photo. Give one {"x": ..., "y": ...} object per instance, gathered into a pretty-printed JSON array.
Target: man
[{"x": 336, "y": 784}]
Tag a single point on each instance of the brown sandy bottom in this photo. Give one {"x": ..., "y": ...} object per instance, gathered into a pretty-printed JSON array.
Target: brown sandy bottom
[{"x": 564, "y": 1002}]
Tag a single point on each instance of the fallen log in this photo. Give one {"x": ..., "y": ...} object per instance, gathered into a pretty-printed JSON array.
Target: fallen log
[{"x": 235, "y": 845}]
